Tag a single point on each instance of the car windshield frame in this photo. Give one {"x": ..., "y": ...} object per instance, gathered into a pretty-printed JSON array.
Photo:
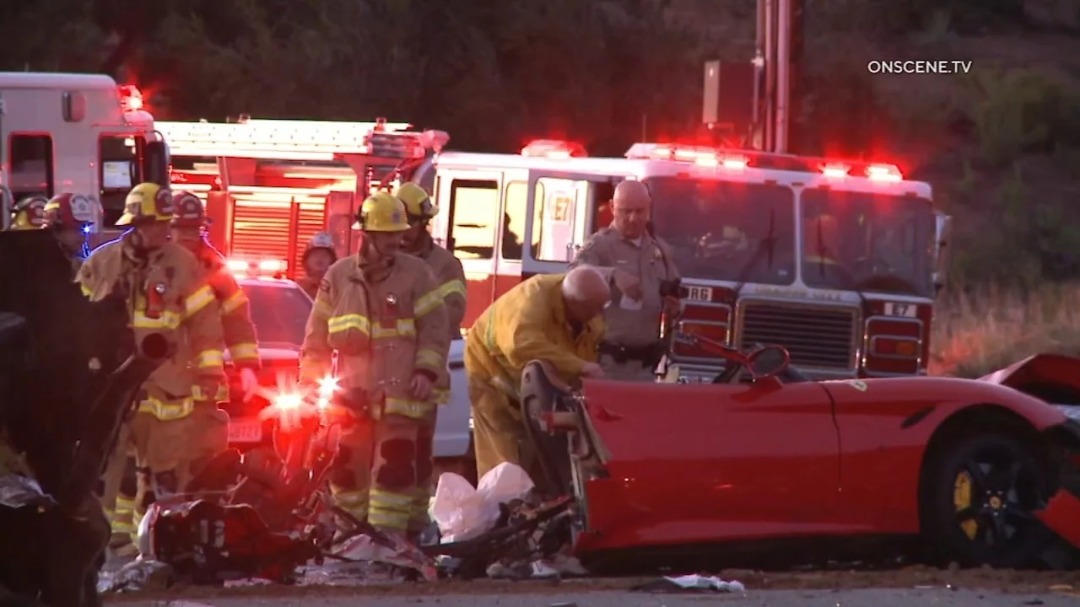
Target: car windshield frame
[
  {"x": 872, "y": 242},
  {"x": 725, "y": 230},
  {"x": 277, "y": 324}
]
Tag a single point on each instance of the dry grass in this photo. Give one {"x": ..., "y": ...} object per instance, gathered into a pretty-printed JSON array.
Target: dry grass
[{"x": 982, "y": 331}]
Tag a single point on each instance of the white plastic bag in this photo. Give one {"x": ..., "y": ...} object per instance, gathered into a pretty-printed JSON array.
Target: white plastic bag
[{"x": 464, "y": 512}]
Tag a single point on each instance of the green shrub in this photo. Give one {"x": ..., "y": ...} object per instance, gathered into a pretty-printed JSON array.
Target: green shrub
[{"x": 1022, "y": 111}]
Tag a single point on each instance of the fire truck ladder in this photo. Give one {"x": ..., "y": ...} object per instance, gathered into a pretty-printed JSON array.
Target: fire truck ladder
[{"x": 291, "y": 139}]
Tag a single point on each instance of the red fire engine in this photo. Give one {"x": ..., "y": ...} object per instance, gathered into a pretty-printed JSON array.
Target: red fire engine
[
  {"x": 270, "y": 185},
  {"x": 837, "y": 261}
]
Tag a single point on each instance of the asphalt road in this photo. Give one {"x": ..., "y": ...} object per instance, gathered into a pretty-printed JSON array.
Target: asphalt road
[{"x": 875, "y": 597}]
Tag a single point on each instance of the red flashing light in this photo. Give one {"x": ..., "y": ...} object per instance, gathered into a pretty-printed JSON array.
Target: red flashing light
[
  {"x": 131, "y": 98},
  {"x": 734, "y": 162},
  {"x": 884, "y": 172},
  {"x": 553, "y": 149},
  {"x": 836, "y": 171}
]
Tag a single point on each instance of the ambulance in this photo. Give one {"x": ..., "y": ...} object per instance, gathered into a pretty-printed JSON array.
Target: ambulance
[
  {"x": 838, "y": 261},
  {"x": 80, "y": 133}
]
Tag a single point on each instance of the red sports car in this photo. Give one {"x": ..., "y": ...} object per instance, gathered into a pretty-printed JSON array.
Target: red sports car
[{"x": 763, "y": 459}]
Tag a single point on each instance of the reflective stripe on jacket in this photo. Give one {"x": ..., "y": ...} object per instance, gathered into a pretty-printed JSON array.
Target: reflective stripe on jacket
[
  {"x": 384, "y": 332},
  {"x": 166, "y": 294},
  {"x": 529, "y": 323},
  {"x": 236, "y": 325},
  {"x": 450, "y": 277}
]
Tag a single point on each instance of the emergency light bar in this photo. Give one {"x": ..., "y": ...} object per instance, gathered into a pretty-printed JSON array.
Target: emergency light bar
[
  {"x": 554, "y": 149},
  {"x": 291, "y": 139},
  {"x": 741, "y": 159},
  {"x": 251, "y": 268}
]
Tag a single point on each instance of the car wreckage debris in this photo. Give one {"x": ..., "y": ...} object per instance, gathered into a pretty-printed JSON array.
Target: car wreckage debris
[{"x": 209, "y": 538}]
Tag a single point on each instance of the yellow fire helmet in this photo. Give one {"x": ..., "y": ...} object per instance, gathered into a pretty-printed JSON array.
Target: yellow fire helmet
[
  {"x": 382, "y": 212},
  {"x": 147, "y": 202},
  {"x": 418, "y": 204}
]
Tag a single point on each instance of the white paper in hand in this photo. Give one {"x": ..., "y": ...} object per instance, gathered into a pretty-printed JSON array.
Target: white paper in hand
[{"x": 629, "y": 303}]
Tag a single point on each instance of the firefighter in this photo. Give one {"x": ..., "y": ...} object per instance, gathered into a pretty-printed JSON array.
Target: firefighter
[
  {"x": 28, "y": 213},
  {"x": 644, "y": 285},
  {"x": 552, "y": 317},
  {"x": 382, "y": 312},
  {"x": 209, "y": 423},
  {"x": 318, "y": 258},
  {"x": 163, "y": 285},
  {"x": 72, "y": 217},
  {"x": 419, "y": 210}
]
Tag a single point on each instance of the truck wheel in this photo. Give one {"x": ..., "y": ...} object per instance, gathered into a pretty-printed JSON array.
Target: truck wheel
[{"x": 979, "y": 503}]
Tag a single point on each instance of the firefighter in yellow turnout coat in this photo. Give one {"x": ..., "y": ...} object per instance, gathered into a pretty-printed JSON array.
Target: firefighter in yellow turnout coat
[
  {"x": 210, "y": 424},
  {"x": 382, "y": 312},
  {"x": 162, "y": 285},
  {"x": 450, "y": 276},
  {"x": 553, "y": 317}
]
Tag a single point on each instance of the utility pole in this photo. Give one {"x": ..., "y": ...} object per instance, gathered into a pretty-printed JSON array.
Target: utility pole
[{"x": 776, "y": 22}]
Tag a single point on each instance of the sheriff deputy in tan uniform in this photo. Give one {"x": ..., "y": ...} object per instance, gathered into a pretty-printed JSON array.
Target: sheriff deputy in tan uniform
[
  {"x": 450, "y": 276},
  {"x": 382, "y": 312},
  {"x": 644, "y": 285}
]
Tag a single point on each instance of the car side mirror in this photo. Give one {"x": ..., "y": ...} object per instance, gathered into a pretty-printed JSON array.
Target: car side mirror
[{"x": 768, "y": 361}]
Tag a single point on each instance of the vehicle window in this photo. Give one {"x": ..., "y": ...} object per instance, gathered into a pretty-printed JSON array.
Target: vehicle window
[
  {"x": 555, "y": 202},
  {"x": 724, "y": 230},
  {"x": 31, "y": 166},
  {"x": 279, "y": 314},
  {"x": 474, "y": 209},
  {"x": 515, "y": 210},
  {"x": 869, "y": 242},
  {"x": 119, "y": 170}
]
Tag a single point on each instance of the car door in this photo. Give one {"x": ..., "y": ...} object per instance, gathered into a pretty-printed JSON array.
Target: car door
[{"x": 720, "y": 461}]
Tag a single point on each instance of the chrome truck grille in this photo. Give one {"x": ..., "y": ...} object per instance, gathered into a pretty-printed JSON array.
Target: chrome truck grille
[{"x": 815, "y": 336}]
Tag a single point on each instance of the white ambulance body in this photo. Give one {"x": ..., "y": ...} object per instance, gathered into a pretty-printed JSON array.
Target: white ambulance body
[{"x": 78, "y": 133}]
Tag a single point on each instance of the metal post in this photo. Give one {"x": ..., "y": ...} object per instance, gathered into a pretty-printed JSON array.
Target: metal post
[
  {"x": 770, "y": 74},
  {"x": 783, "y": 73}
]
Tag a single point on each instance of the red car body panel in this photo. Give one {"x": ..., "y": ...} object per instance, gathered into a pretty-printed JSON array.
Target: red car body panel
[
  {"x": 711, "y": 463},
  {"x": 1038, "y": 370}
]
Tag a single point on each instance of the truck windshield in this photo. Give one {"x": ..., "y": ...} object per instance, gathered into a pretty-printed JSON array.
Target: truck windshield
[
  {"x": 870, "y": 242},
  {"x": 723, "y": 230}
]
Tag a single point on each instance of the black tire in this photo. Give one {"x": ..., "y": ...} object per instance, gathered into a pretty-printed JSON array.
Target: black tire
[{"x": 996, "y": 455}]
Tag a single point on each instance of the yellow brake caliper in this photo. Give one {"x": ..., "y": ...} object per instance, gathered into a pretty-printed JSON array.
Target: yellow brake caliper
[{"x": 962, "y": 500}]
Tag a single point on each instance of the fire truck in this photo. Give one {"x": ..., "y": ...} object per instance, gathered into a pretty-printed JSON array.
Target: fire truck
[
  {"x": 270, "y": 185},
  {"x": 79, "y": 133},
  {"x": 838, "y": 261}
]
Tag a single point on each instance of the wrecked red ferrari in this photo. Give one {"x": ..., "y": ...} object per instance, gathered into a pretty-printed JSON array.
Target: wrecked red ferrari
[{"x": 764, "y": 461}]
